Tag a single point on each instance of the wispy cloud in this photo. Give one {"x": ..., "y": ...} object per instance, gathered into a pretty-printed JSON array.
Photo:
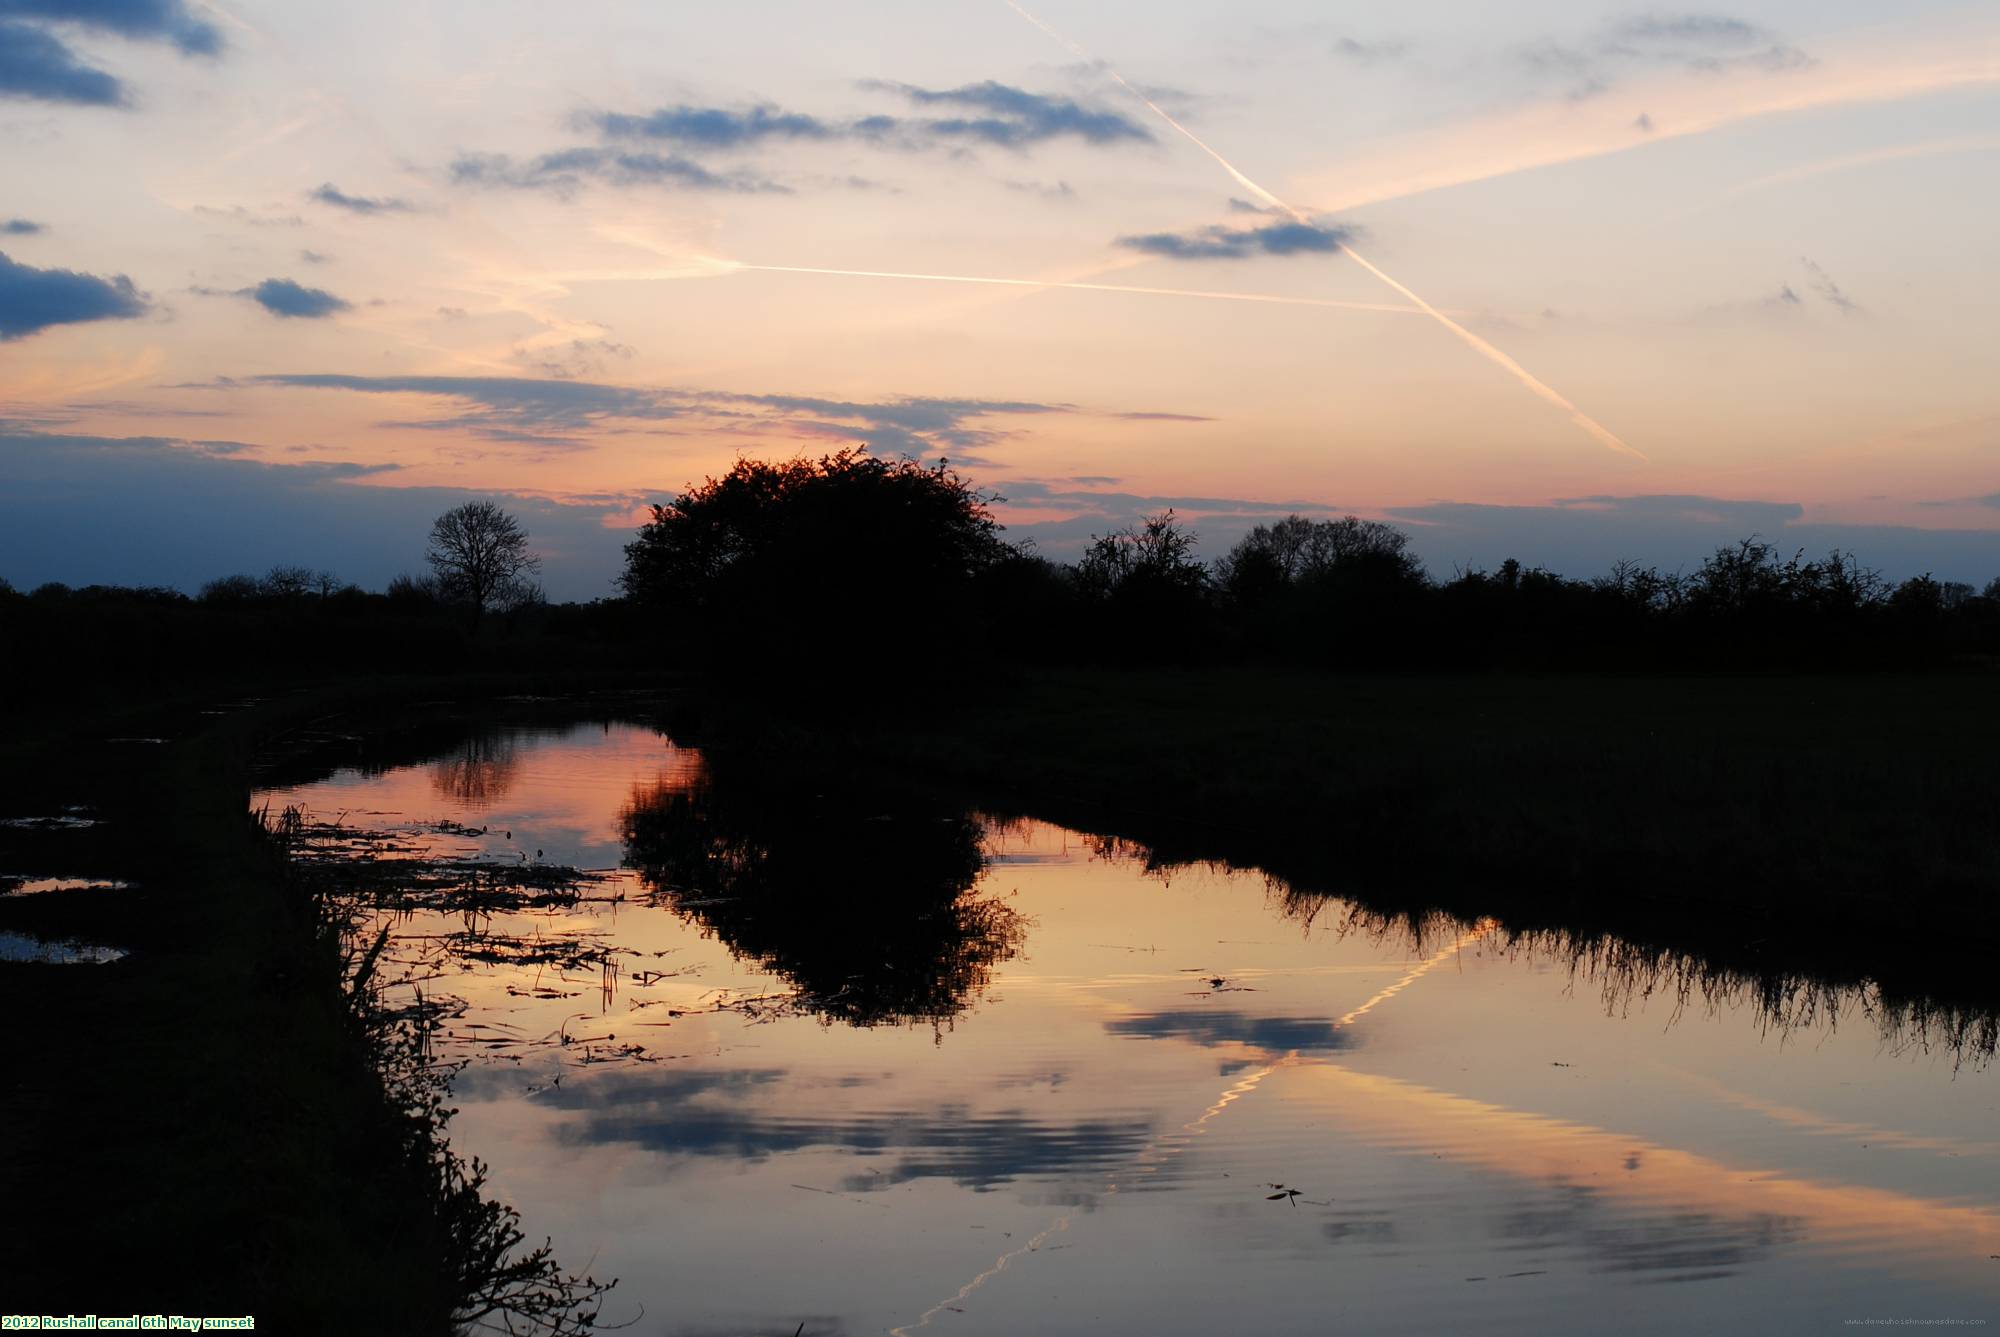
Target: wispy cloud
[
  {"x": 21, "y": 227},
  {"x": 1224, "y": 243},
  {"x": 1707, "y": 43},
  {"x": 564, "y": 170},
  {"x": 713, "y": 127},
  {"x": 1822, "y": 283},
  {"x": 561, "y": 412},
  {"x": 990, "y": 114},
  {"x": 34, "y": 299},
  {"x": 1010, "y": 117},
  {"x": 331, "y": 194}
]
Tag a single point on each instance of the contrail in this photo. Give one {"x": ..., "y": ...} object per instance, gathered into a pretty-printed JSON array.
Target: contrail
[
  {"x": 1210, "y": 293},
  {"x": 1576, "y": 415}
]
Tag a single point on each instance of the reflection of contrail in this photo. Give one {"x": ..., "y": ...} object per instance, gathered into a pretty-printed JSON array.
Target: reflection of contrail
[
  {"x": 1520, "y": 373},
  {"x": 1092, "y": 287},
  {"x": 1173, "y": 1144}
]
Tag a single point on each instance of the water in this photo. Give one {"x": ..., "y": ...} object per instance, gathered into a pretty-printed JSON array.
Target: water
[
  {"x": 27, "y": 949},
  {"x": 802, "y": 1054}
]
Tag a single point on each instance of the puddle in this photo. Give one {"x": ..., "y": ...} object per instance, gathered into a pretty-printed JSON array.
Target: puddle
[
  {"x": 24, "y": 949},
  {"x": 18, "y": 885}
]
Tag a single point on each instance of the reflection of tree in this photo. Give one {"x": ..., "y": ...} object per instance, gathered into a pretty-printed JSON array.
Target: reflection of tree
[
  {"x": 871, "y": 915},
  {"x": 480, "y": 771},
  {"x": 1798, "y": 992}
]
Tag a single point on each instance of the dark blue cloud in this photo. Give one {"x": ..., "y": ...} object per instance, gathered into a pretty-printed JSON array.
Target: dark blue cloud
[
  {"x": 1224, "y": 243},
  {"x": 1015, "y": 117},
  {"x": 34, "y": 299},
  {"x": 564, "y": 170},
  {"x": 282, "y": 297},
  {"x": 34, "y": 64},
  {"x": 713, "y": 127},
  {"x": 21, "y": 227},
  {"x": 556, "y": 412},
  {"x": 189, "y": 512},
  {"x": 507, "y": 408},
  {"x": 357, "y": 204},
  {"x": 140, "y": 20},
  {"x": 1010, "y": 118}
]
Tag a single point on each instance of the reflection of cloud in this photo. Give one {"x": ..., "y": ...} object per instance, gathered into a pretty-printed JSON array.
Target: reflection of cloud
[
  {"x": 1225, "y": 1026},
  {"x": 1652, "y": 1245},
  {"x": 1664, "y": 1211},
  {"x": 698, "y": 1114}
]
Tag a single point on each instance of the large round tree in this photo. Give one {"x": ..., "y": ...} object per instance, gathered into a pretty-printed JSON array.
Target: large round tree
[{"x": 846, "y": 558}]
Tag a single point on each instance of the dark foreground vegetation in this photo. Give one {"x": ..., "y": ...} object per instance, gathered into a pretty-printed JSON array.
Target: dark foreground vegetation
[{"x": 230, "y": 1119}]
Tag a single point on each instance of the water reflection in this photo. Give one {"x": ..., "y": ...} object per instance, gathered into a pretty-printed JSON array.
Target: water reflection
[
  {"x": 869, "y": 912},
  {"x": 1418, "y": 1123},
  {"x": 678, "y": 1114},
  {"x": 479, "y": 771}
]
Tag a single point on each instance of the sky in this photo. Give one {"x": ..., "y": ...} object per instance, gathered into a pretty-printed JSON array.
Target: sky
[{"x": 1568, "y": 282}]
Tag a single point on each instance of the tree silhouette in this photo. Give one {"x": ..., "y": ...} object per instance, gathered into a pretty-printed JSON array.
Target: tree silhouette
[
  {"x": 480, "y": 556},
  {"x": 859, "y": 560}
]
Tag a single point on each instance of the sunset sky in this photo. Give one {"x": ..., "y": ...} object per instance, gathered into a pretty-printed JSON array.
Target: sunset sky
[{"x": 280, "y": 282}]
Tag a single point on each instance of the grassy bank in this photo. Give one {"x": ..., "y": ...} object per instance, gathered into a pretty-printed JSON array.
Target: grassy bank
[
  {"x": 207, "y": 1126},
  {"x": 1842, "y": 825}
]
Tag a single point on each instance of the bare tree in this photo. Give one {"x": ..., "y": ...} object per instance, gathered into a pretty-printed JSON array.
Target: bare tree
[
  {"x": 288, "y": 582},
  {"x": 480, "y": 554}
]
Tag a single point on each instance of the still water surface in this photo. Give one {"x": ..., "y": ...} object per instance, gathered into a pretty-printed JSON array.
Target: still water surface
[{"x": 802, "y": 1057}]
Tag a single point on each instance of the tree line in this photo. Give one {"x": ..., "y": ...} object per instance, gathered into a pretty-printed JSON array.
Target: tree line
[
  {"x": 892, "y": 570},
  {"x": 857, "y": 559}
]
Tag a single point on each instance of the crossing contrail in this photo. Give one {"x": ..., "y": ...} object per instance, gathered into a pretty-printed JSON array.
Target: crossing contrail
[
  {"x": 1210, "y": 293},
  {"x": 1596, "y": 429},
  {"x": 1160, "y": 1148}
]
